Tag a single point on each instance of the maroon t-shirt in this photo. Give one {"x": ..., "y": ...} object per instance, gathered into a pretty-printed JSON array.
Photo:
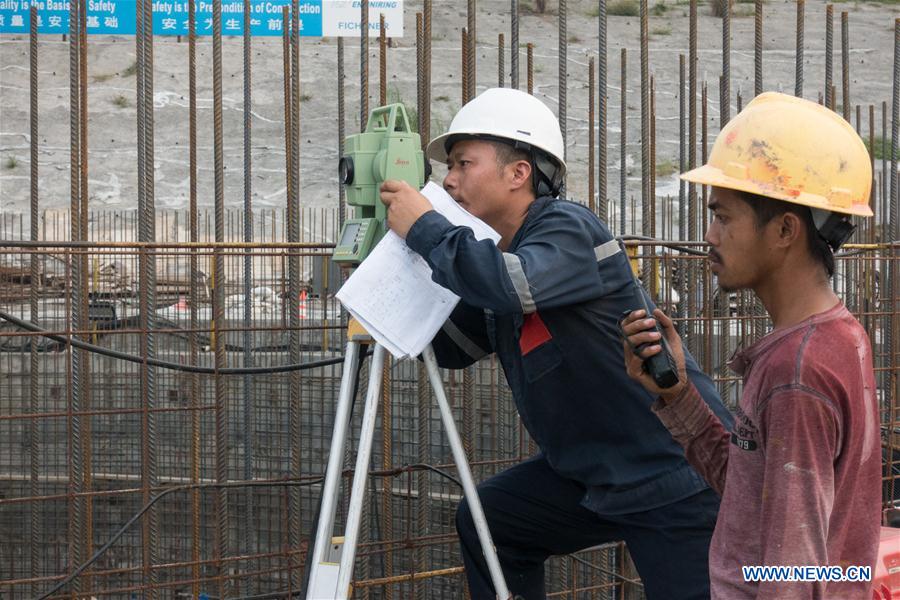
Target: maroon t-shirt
[{"x": 800, "y": 472}]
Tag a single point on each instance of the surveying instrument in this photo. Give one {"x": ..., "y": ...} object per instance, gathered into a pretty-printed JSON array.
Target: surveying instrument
[{"x": 388, "y": 149}]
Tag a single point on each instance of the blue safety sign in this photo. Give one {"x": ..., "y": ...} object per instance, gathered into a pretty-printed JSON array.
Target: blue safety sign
[{"x": 170, "y": 17}]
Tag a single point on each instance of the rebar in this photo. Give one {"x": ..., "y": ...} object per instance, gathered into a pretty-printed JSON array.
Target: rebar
[
  {"x": 798, "y": 53},
  {"x": 646, "y": 273},
  {"x": 591, "y": 101},
  {"x": 423, "y": 439},
  {"x": 294, "y": 273},
  {"x": 758, "y": 48},
  {"x": 86, "y": 433},
  {"x": 342, "y": 109},
  {"x": 425, "y": 115},
  {"x": 472, "y": 50},
  {"x": 623, "y": 138},
  {"x": 514, "y": 43},
  {"x": 895, "y": 134},
  {"x": 602, "y": 114},
  {"x": 77, "y": 358},
  {"x": 845, "y": 63},
  {"x": 221, "y": 540},
  {"x": 501, "y": 75},
  {"x": 387, "y": 510},
  {"x": 725, "y": 82},
  {"x": 652, "y": 185},
  {"x": 530, "y": 68},
  {"x": 248, "y": 428},
  {"x": 382, "y": 61},
  {"x": 34, "y": 527},
  {"x": 363, "y": 61},
  {"x": 193, "y": 342},
  {"x": 562, "y": 84},
  {"x": 692, "y": 163},
  {"x": 682, "y": 159},
  {"x": 704, "y": 151},
  {"x": 464, "y": 67},
  {"x": 829, "y": 53},
  {"x": 420, "y": 73}
]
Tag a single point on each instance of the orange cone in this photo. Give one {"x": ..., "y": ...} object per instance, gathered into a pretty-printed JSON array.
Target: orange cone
[{"x": 303, "y": 304}]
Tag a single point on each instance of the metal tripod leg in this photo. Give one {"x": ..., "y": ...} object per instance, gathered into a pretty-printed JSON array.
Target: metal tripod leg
[
  {"x": 333, "y": 473},
  {"x": 465, "y": 475},
  {"x": 328, "y": 580},
  {"x": 360, "y": 475}
]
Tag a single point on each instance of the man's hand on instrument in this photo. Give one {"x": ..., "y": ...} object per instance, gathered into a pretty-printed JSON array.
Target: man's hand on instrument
[{"x": 404, "y": 205}]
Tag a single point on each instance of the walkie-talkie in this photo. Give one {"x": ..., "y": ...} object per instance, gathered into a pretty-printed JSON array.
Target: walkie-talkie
[{"x": 660, "y": 366}]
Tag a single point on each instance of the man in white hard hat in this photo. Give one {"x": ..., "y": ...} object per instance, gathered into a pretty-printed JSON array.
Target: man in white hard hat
[
  {"x": 799, "y": 472},
  {"x": 547, "y": 301}
]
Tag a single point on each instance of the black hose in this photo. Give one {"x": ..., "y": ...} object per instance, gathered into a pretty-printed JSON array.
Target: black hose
[{"x": 28, "y": 326}]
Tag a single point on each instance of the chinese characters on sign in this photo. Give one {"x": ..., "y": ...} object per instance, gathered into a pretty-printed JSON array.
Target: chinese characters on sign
[{"x": 170, "y": 17}]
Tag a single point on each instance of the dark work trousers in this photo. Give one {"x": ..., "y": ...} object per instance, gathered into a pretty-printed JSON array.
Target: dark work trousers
[{"x": 533, "y": 514}]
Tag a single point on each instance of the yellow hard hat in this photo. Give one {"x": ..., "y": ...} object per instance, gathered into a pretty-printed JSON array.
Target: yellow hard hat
[{"x": 794, "y": 150}]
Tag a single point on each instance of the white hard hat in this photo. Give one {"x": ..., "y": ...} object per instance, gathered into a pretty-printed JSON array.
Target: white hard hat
[{"x": 506, "y": 114}]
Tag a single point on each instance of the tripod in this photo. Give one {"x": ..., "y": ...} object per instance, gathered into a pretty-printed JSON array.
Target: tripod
[{"x": 333, "y": 557}]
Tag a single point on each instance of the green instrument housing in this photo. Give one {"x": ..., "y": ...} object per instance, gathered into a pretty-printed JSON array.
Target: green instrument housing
[{"x": 387, "y": 149}]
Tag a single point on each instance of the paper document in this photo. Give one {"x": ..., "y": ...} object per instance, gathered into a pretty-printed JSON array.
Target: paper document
[{"x": 391, "y": 293}]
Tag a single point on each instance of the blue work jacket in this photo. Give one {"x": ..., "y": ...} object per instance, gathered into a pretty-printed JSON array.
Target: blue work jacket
[{"x": 549, "y": 308}]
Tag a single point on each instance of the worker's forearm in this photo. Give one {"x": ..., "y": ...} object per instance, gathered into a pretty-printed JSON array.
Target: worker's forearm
[{"x": 699, "y": 431}]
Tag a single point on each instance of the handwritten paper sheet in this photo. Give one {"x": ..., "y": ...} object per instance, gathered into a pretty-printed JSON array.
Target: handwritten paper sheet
[{"x": 391, "y": 293}]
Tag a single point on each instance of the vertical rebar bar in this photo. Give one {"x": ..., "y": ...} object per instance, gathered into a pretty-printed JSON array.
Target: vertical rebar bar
[
  {"x": 220, "y": 535},
  {"x": 798, "y": 54},
  {"x": 468, "y": 412},
  {"x": 758, "y": 48},
  {"x": 78, "y": 357},
  {"x": 464, "y": 67},
  {"x": 382, "y": 61},
  {"x": 530, "y": 67},
  {"x": 193, "y": 342},
  {"x": 623, "y": 138},
  {"x": 248, "y": 432},
  {"x": 725, "y": 85},
  {"x": 704, "y": 148},
  {"x": 514, "y": 43},
  {"x": 829, "y": 52},
  {"x": 423, "y": 440},
  {"x": 591, "y": 101},
  {"x": 294, "y": 276},
  {"x": 425, "y": 115},
  {"x": 147, "y": 227},
  {"x": 86, "y": 435},
  {"x": 420, "y": 74},
  {"x": 886, "y": 213},
  {"x": 845, "y": 63},
  {"x": 472, "y": 49},
  {"x": 652, "y": 120},
  {"x": 501, "y": 75},
  {"x": 682, "y": 163},
  {"x": 692, "y": 163},
  {"x": 646, "y": 200},
  {"x": 342, "y": 193},
  {"x": 563, "y": 81},
  {"x": 706, "y": 325},
  {"x": 602, "y": 114},
  {"x": 363, "y": 64},
  {"x": 387, "y": 510},
  {"x": 895, "y": 133},
  {"x": 34, "y": 365}
]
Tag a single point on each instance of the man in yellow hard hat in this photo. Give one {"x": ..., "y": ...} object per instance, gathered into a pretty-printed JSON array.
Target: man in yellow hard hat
[{"x": 799, "y": 473}]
